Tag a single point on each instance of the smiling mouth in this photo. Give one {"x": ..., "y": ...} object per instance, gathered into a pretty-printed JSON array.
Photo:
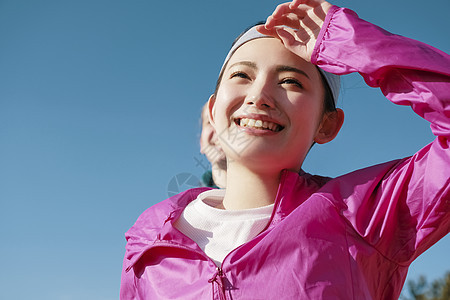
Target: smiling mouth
[{"x": 258, "y": 124}]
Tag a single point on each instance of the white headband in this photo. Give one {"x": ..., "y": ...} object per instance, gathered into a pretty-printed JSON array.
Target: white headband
[{"x": 332, "y": 80}]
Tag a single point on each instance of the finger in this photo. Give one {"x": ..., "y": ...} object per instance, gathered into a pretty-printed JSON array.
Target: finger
[
  {"x": 289, "y": 20},
  {"x": 286, "y": 8},
  {"x": 292, "y": 43},
  {"x": 298, "y": 45},
  {"x": 269, "y": 22},
  {"x": 302, "y": 35},
  {"x": 312, "y": 3},
  {"x": 270, "y": 32},
  {"x": 320, "y": 12},
  {"x": 287, "y": 37},
  {"x": 280, "y": 33},
  {"x": 262, "y": 29},
  {"x": 281, "y": 10},
  {"x": 311, "y": 25},
  {"x": 296, "y": 3},
  {"x": 310, "y": 17},
  {"x": 299, "y": 8}
]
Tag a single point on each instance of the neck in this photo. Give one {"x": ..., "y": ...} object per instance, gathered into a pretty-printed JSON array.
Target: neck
[
  {"x": 249, "y": 189},
  {"x": 219, "y": 174}
]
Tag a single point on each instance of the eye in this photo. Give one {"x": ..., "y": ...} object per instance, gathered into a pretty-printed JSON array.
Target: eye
[
  {"x": 291, "y": 81},
  {"x": 239, "y": 74}
]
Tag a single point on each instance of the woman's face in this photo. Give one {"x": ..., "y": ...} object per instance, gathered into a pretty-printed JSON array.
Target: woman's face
[{"x": 268, "y": 109}]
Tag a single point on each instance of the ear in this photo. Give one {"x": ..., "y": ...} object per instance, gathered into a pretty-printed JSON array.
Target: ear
[
  {"x": 330, "y": 126},
  {"x": 211, "y": 109}
]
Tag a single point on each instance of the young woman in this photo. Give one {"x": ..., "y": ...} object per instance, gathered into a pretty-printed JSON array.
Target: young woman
[{"x": 277, "y": 232}]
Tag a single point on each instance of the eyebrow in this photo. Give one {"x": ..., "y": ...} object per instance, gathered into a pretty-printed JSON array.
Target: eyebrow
[
  {"x": 279, "y": 69},
  {"x": 245, "y": 63},
  {"x": 291, "y": 69}
]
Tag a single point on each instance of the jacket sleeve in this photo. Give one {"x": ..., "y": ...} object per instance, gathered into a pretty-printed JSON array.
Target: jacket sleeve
[
  {"x": 127, "y": 284},
  {"x": 404, "y": 210}
]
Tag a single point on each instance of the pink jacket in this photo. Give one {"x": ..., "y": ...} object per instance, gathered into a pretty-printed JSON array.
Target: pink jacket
[{"x": 352, "y": 237}]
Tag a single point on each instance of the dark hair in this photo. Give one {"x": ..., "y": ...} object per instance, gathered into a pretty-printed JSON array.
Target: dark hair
[{"x": 328, "y": 104}]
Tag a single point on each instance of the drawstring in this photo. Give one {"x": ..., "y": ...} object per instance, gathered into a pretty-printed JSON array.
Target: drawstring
[{"x": 217, "y": 278}]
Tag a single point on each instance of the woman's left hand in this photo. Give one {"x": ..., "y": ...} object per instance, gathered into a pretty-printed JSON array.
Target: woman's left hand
[{"x": 297, "y": 24}]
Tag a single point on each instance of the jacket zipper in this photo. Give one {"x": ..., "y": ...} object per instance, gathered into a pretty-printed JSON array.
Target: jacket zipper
[
  {"x": 219, "y": 272},
  {"x": 218, "y": 276},
  {"x": 218, "y": 280}
]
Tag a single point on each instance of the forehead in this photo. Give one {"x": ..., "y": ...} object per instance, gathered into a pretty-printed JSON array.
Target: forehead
[{"x": 270, "y": 52}]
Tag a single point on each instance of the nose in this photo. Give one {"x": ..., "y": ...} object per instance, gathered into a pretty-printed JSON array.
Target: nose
[{"x": 260, "y": 95}]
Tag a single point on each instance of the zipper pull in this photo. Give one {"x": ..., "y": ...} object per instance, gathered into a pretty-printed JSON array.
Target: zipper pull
[{"x": 217, "y": 278}]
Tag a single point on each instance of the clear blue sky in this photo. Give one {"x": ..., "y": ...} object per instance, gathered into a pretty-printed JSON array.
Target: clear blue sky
[{"x": 99, "y": 109}]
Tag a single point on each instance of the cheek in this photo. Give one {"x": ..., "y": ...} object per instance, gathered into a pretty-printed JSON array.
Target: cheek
[
  {"x": 307, "y": 116},
  {"x": 227, "y": 102}
]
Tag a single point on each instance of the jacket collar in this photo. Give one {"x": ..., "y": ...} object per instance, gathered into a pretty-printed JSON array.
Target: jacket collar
[
  {"x": 293, "y": 190},
  {"x": 154, "y": 227}
]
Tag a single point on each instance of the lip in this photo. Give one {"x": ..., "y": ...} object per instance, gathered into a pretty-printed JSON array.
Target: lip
[{"x": 255, "y": 131}]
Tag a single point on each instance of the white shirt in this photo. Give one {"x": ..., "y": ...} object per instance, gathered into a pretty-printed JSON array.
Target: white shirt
[{"x": 219, "y": 231}]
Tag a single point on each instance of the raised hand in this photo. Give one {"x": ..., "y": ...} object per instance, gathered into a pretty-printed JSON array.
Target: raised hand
[{"x": 297, "y": 24}]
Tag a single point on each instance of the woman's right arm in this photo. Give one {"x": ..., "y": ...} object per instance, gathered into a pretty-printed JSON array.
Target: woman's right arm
[{"x": 409, "y": 208}]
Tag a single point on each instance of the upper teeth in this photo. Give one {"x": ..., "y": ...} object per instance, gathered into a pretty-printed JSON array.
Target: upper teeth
[{"x": 245, "y": 122}]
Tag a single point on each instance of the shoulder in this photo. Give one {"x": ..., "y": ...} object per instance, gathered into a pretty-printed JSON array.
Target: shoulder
[
  {"x": 154, "y": 216},
  {"x": 367, "y": 175},
  {"x": 151, "y": 222},
  {"x": 352, "y": 187}
]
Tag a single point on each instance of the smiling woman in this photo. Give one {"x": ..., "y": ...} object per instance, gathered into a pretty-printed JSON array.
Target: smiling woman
[
  {"x": 276, "y": 231},
  {"x": 275, "y": 87}
]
